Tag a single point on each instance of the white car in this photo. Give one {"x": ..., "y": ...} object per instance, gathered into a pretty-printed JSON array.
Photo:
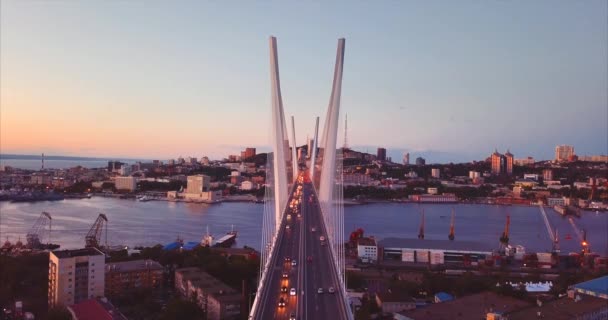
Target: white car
[
  {"x": 331, "y": 290},
  {"x": 293, "y": 263},
  {"x": 320, "y": 290},
  {"x": 292, "y": 292}
]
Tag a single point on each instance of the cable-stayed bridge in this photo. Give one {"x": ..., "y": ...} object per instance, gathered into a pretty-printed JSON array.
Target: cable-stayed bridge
[{"x": 302, "y": 266}]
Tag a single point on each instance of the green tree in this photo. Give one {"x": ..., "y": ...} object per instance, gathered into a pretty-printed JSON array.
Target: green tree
[
  {"x": 59, "y": 313},
  {"x": 182, "y": 309}
]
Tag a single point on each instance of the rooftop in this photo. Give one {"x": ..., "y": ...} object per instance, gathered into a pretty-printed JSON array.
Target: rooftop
[
  {"x": 564, "y": 308},
  {"x": 96, "y": 309},
  {"x": 134, "y": 265},
  {"x": 61, "y": 254},
  {"x": 366, "y": 242},
  {"x": 597, "y": 287},
  {"x": 474, "y": 306},
  {"x": 389, "y": 296},
  {"x": 206, "y": 282},
  {"x": 429, "y": 244}
]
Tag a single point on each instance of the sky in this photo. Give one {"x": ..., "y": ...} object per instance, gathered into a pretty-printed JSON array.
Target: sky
[{"x": 453, "y": 80}]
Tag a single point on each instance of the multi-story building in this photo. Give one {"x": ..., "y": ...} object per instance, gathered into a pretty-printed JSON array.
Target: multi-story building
[
  {"x": 356, "y": 179},
  {"x": 126, "y": 183},
  {"x": 406, "y": 158},
  {"x": 420, "y": 161},
  {"x": 474, "y": 174},
  {"x": 309, "y": 146},
  {"x": 564, "y": 152},
  {"x": 502, "y": 163},
  {"x": 367, "y": 249},
  {"x": 595, "y": 158},
  {"x": 435, "y": 173},
  {"x": 218, "y": 299},
  {"x": 441, "y": 198},
  {"x": 381, "y": 154},
  {"x": 122, "y": 277},
  {"x": 248, "y": 153},
  {"x": 205, "y": 161},
  {"x": 547, "y": 175},
  {"x": 198, "y": 183},
  {"x": 75, "y": 275},
  {"x": 524, "y": 162}
]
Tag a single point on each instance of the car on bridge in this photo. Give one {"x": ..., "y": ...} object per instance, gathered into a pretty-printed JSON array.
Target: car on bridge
[
  {"x": 292, "y": 292},
  {"x": 293, "y": 262},
  {"x": 313, "y": 229},
  {"x": 331, "y": 290},
  {"x": 292, "y": 317},
  {"x": 309, "y": 259},
  {"x": 284, "y": 289},
  {"x": 285, "y": 275},
  {"x": 320, "y": 290},
  {"x": 282, "y": 302}
]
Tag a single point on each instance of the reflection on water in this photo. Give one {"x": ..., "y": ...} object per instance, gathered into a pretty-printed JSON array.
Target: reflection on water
[{"x": 147, "y": 223}]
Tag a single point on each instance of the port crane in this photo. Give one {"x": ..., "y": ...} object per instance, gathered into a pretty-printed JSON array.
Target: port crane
[
  {"x": 421, "y": 232},
  {"x": 451, "y": 235},
  {"x": 555, "y": 248},
  {"x": 584, "y": 243},
  {"x": 93, "y": 237},
  {"x": 504, "y": 238},
  {"x": 33, "y": 235}
]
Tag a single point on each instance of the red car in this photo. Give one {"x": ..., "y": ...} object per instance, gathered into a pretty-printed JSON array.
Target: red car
[{"x": 309, "y": 259}]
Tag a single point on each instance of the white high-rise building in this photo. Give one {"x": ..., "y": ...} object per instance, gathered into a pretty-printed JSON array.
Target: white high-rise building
[
  {"x": 563, "y": 152},
  {"x": 75, "y": 275},
  {"x": 406, "y": 158}
]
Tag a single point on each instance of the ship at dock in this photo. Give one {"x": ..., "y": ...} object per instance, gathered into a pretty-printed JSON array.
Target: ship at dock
[
  {"x": 227, "y": 240},
  {"x": 567, "y": 211}
]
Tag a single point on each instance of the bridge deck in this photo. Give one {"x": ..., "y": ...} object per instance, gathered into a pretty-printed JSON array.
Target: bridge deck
[{"x": 299, "y": 242}]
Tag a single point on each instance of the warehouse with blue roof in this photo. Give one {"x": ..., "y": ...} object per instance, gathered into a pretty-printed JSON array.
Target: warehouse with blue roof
[{"x": 597, "y": 287}]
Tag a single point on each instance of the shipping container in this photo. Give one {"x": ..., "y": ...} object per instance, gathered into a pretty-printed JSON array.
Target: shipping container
[
  {"x": 436, "y": 257},
  {"x": 408, "y": 256},
  {"x": 422, "y": 256}
]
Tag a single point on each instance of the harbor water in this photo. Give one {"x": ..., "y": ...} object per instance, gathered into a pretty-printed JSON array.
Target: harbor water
[{"x": 135, "y": 223}]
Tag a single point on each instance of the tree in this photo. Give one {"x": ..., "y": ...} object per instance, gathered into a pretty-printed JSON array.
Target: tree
[
  {"x": 182, "y": 309},
  {"x": 59, "y": 313}
]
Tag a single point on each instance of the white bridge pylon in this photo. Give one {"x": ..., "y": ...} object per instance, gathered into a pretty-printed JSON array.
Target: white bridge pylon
[{"x": 282, "y": 169}]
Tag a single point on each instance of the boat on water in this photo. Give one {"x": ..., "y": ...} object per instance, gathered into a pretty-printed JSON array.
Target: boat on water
[
  {"x": 143, "y": 198},
  {"x": 228, "y": 240}
]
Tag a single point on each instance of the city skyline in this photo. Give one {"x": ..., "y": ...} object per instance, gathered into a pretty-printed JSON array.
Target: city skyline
[{"x": 71, "y": 86}]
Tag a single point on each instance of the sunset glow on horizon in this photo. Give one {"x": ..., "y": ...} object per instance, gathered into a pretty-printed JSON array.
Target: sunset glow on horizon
[{"x": 127, "y": 79}]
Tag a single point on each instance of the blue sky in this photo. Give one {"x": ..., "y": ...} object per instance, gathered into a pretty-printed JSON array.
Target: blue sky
[{"x": 161, "y": 79}]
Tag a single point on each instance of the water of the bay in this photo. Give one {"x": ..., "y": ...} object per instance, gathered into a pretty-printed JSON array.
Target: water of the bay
[{"x": 135, "y": 223}]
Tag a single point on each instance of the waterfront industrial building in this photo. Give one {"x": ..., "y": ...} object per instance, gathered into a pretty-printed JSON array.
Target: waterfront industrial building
[{"x": 436, "y": 252}]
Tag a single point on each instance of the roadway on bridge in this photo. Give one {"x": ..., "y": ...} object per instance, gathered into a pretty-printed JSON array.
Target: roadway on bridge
[{"x": 299, "y": 242}]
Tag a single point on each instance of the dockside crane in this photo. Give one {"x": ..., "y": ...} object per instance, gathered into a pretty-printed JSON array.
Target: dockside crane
[
  {"x": 451, "y": 235},
  {"x": 584, "y": 243},
  {"x": 421, "y": 231},
  {"x": 504, "y": 238},
  {"x": 93, "y": 237},
  {"x": 555, "y": 248},
  {"x": 33, "y": 235}
]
